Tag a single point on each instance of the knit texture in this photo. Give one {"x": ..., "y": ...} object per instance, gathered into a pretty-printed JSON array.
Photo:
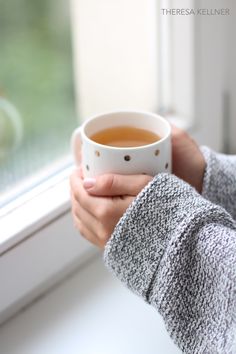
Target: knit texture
[
  {"x": 219, "y": 184},
  {"x": 177, "y": 250}
]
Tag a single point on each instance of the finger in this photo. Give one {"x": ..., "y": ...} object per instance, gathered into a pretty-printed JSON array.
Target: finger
[
  {"x": 105, "y": 215},
  {"x": 80, "y": 225},
  {"x": 87, "y": 234},
  {"x": 75, "y": 175},
  {"x": 89, "y": 220},
  {"x": 178, "y": 135},
  {"x": 105, "y": 209},
  {"x": 97, "y": 230},
  {"x": 175, "y": 129},
  {"x": 116, "y": 185},
  {"x": 80, "y": 172},
  {"x": 91, "y": 203}
]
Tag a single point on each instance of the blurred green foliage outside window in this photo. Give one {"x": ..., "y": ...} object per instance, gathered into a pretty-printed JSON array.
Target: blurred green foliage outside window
[{"x": 37, "y": 108}]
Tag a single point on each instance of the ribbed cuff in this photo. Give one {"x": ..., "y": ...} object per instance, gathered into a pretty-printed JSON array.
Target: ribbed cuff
[
  {"x": 219, "y": 183},
  {"x": 139, "y": 240}
]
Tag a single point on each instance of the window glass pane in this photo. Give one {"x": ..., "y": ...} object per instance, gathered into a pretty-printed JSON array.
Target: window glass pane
[{"x": 37, "y": 110}]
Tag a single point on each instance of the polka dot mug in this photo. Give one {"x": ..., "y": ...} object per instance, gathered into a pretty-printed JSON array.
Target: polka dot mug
[{"x": 97, "y": 159}]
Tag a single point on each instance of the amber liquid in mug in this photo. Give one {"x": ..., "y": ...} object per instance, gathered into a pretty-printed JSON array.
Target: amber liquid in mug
[{"x": 125, "y": 136}]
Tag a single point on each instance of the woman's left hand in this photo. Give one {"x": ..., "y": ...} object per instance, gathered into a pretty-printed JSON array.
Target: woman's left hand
[{"x": 98, "y": 203}]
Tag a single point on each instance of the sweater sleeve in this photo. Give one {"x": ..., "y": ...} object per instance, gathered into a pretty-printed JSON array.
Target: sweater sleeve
[
  {"x": 219, "y": 184},
  {"x": 177, "y": 251}
]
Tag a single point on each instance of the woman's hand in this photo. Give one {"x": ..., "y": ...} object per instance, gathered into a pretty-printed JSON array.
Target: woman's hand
[
  {"x": 98, "y": 203},
  {"x": 187, "y": 160}
]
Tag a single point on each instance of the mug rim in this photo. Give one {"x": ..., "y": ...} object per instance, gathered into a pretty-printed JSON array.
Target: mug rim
[{"x": 97, "y": 116}]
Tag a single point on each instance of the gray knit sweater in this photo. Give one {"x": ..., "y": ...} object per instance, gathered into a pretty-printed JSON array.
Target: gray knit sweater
[{"x": 177, "y": 250}]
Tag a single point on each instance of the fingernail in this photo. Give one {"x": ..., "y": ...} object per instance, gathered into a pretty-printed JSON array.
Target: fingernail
[{"x": 89, "y": 182}]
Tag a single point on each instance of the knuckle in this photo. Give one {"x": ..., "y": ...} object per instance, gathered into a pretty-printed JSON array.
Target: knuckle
[
  {"x": 178, "y": 133},
  {"x": 80, "y": 228},
  {"x": 182, "y": 134},
  {"x": 108, "y": 181},
  {"x": 75, "y": 212},
  {"x": 80, "y": 198},
  {"x": 76, "y": 222},
  {"x": 147, "y": 179},
  {"x": 73, "y": 209},
  {"x": 74, "y": 193},
  {"x": 142, "y": 182},
  {"x": 103, "y": 234},
  {"x": 72, "y": 180},
  {"x": 77, "y": 196},
  {"x": 103, "y": 213}
]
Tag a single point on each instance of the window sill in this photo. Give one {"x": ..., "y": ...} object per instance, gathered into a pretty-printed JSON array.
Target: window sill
[
  {"x": 42, "y": 205},
  {"x": 38, "y": 245},
  {"x": 90, "y": 304}
]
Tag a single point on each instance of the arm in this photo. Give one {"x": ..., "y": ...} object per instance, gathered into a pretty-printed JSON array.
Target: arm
[
  {"x": 219, "y": 183},
  {"x": 178, "y": 251}
]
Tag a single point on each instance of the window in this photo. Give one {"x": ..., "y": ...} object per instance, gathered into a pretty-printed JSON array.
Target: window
[
  {"x": 125, "y": 54},
  {"x": 115, "y": 65},
  {"x": 37, "y": 104}
]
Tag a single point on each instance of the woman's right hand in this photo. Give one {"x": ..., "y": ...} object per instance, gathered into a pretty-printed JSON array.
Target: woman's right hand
[{"x": 188, "y": 162}]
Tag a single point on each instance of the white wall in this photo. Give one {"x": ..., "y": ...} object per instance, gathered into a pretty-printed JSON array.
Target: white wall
[{"x": 115, "y": 46}]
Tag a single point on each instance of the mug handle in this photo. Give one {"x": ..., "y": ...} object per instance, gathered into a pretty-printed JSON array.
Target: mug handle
[{"x": 76, "y": 144}]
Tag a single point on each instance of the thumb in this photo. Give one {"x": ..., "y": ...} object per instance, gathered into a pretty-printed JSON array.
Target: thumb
[{"x": 116, "y": 185}]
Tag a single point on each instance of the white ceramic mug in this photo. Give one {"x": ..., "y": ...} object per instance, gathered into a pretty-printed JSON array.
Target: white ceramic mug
[{"x": 97, "y": 159}]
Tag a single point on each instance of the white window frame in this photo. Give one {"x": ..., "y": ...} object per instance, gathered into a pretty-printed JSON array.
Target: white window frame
[
  {"x": 213, "y": 50},
  {"x": 38, "y": 244},
  {"x": 176, "y": 86},
  {"x": 203, "y": 58}
]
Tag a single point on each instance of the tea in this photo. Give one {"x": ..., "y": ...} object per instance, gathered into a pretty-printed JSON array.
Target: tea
[{"x": 125, "y": 136}]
